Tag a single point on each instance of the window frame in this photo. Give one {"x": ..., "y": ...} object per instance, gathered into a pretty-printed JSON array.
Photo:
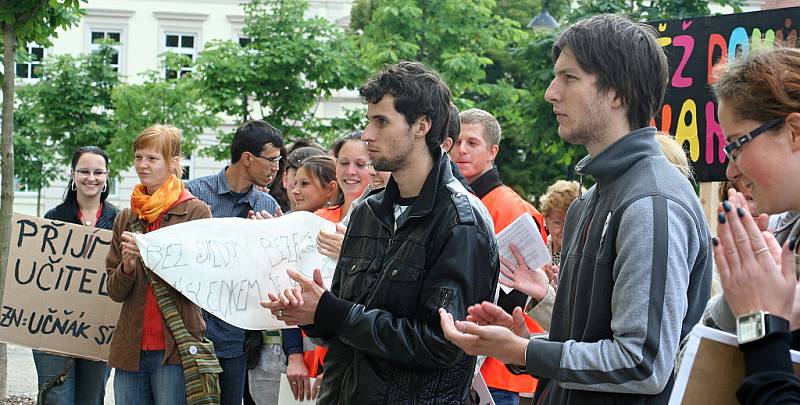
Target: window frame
[
  {"x": 120, "y": 47},
  {"x": 191, "y": 52},
  {"x": 30, "y": 64}
]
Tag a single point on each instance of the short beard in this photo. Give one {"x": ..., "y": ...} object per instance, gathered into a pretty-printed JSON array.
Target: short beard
[
  {"x": 390, "y": 164},
  {"x": 400, "y": 160},
  {"x": 589, "y": 130}
]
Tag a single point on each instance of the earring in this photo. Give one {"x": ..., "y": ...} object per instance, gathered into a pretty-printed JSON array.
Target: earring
[
  {"x": 105, "y": 187},
  {"x": 73, "y": 187},
  {"x": 327, "y": 203}
]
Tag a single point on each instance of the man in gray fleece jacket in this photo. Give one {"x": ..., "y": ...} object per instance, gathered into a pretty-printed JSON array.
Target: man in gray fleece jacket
[{"x": 636, "y": 274}]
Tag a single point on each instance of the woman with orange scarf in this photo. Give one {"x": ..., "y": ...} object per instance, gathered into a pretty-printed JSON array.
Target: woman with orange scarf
[{"x": 143, "y": 351}]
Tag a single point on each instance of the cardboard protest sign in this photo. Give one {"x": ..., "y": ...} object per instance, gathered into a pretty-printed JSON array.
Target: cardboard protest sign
[
  {"x": 694, "y": 46},
  {"x": 227, "y": 266},
  {"x": 56, "y": 298},
  {"x": 711, "y": 369}
]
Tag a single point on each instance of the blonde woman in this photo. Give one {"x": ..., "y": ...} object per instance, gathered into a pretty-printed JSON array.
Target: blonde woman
[{"x": 143, "y": 351}]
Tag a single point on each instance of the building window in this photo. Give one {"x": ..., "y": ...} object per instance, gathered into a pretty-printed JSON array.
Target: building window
[
  {"x": 21, "y": 188},
  {"x": 98, "y": 36},
  {"x": 186, "y": 164},
  {"x": 31, "y": 69},
  {"x": 182, "y": 44},
  {"x": 113, "y": 187},
  {"x": 244, "y": 41}
]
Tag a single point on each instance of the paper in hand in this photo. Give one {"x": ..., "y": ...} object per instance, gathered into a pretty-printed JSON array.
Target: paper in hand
[{"x": 524, "y": 234}]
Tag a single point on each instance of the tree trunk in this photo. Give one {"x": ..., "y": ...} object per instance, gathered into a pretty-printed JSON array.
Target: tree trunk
[
  {"x": 7, "y": 172},
  {"x": 39, "y": 202}
]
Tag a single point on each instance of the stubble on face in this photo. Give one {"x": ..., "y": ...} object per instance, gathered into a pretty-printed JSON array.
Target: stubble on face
[
  {"x": 588, "y": 128},
  {"x": 398, "y": 156}
]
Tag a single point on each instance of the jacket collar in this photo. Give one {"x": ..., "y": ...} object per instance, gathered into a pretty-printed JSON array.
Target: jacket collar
[
  {"x": 383, "y": 203},
  {"x": 68, "y": 212},
  {"x": 222, "y": 188},
  {"x": 486, "y": 183},
  {"x": 618, "y": 157}
]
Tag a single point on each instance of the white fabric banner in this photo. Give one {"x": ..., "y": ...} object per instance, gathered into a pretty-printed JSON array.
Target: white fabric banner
[{"x": 228, "y": 265}]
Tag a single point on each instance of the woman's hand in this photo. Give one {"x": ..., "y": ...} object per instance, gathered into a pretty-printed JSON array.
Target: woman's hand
[
  {"x": 330, "y": 243},
  {"x": 756, "y": 274},
  {"x": 130, "y": 253},
  {"x": 263, "y": 214},
  {"x": 552, "y": 271},
  {"x": 317, "y": 386},
  {"x": 297, "y": 374},
  {"x": 533, "y": 283}
]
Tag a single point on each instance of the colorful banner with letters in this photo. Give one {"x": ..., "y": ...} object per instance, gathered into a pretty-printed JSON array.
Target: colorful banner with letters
[{"x": 694, "y": 47}]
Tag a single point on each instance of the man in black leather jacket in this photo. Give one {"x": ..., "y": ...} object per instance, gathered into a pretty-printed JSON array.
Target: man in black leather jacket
[{"x": 410, "y": 249}]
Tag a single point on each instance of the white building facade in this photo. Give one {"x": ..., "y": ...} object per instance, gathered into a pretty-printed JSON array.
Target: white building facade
[{"x": 145, "y": 29}]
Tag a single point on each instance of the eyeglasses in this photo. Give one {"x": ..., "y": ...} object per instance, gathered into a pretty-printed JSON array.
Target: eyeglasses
[
  {"x": 87, "y": 172},
  {"x": 739, "y": 143},
  {"x": 273, "y": 160}
]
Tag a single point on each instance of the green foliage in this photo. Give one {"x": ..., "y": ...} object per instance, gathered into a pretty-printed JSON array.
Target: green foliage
[
  {"x": 37, "y": 20},
  {"x": 329, "y": 130},
  {"x": 490, "y": 62},
  {"x": 289, "y": 65},
  {"x": 454, "y": 37},
  {"x": 36, "y": 163},
  {"x": 649, "y": 10},
  {"x": 67, "y": 108},
  {"x": 157, "y": 101},
  {"x": 522, "y": 11},
  {"x": 532, "y": 156}
]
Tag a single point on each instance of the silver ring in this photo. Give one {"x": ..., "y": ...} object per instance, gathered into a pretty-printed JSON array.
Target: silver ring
[
  {"x": 280, "y": 313},
  {"x": 762, "y": 250}
]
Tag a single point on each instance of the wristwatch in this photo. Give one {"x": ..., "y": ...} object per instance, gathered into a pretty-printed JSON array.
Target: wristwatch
[{"x": 756, "y": 325}]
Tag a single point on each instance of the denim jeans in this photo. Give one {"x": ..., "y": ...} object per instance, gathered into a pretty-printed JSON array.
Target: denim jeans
[
  {"x": 153, "y": 384},
  {"x": 503, "y": 397},
  {"x": 85, "y": 381},
  {"x": 231, "y": 381}
]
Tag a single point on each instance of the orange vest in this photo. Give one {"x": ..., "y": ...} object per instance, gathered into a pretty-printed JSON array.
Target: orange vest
[
  {"x": 505, "y": 206},
  {"x": 331, "y": 214},
  {"x": 314, "y": 356}
]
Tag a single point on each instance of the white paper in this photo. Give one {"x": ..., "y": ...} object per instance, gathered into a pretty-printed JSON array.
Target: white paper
[
  {"x": 479, "y": 385},
  {"x": 227, "y": 266},
  {"x": 525, "y": 235},
  {"x": 286, "y": 397}
]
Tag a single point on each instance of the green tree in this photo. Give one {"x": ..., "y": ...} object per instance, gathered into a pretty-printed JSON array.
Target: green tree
[
  {"x": 21, "y": 22},
  {"x": 69, "y": 107},
  {"x": 489, "y": 62},
  {"x": 649, "y": 10},
  {"x": 288, "y": 65},
  {"x": 36, "y": 162},
  {"x": 454, "y": 37},
  {"x": 157, "y": 101}
]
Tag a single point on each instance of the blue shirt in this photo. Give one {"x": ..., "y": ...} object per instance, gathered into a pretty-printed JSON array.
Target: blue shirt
[{"x": 213, "y": 190}]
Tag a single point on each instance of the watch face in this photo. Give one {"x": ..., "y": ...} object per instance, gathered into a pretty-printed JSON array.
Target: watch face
[{"x": 750, "y": 327}]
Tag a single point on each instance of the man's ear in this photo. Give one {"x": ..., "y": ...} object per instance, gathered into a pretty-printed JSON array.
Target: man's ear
[
  {"x": 447, "y": 144},
  {"x": 493, "y": 151},
  {"x": 793, "y": 125},
  {"x": 422, "y": 126},
  {"x": 616, "y": 100}
]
